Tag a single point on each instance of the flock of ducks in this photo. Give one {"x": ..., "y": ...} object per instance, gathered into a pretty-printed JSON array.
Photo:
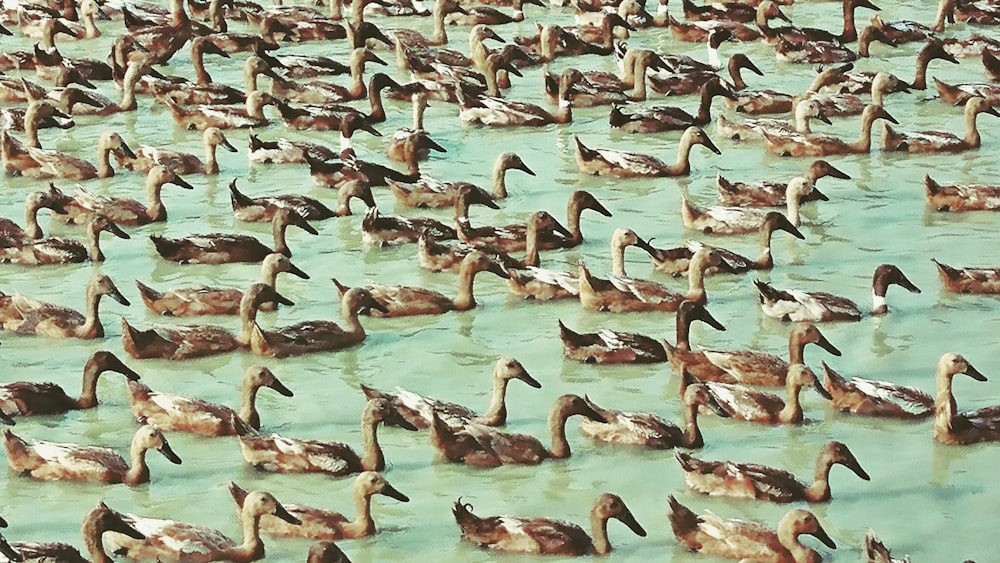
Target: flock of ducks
[{"x": 295, "y": 92}]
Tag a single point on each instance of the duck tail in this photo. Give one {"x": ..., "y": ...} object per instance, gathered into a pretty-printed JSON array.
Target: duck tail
[
  {"x": 466, "y": 520},
  {"x": 947, "y": 271},
  {"x": 616, "y": 118},
  {"x": 242, "y": 428},
  {"x": 551, "y": 82},
  {"x": 341, "y": 288},
  {"x": 931, "y": 187},
  {"x": 372, "y": 393},
  {"x": 875, "y": 550},
  {"x": 585, "y": 153},
  {"x": 767, "y": 291},
  {"x": 723, "y": 184},
  {"x": 148, "y": 294},
  {"x": 685, "y": 460},
  {"x": 831, "y": 379},
  {"x": 239, "y": 494},
  {"x": 567, "y": 334},
  {"x": 238, "y": 198},
  {"x": 682, "y": 520},
  {"x": 687, "y": 378},
  {"x": 164, "y": 247}
]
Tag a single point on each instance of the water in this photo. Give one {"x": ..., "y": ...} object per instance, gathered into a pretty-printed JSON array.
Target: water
[{"x": 931, "y": 501}]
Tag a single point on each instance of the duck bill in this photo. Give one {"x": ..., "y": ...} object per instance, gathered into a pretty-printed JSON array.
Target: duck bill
[
  {"x": 707, "y": 318},
  {"x": 886, "y": 116},
  {"x": 86, "y": 98},
  {"x": 599, "y": 207},
  {"x": 371, "y": 57},
  {"x": 644, "y": 244},
  {"x": 726, "y": 267},
  {"x": 117, "y": 296},
  {"x": 710, "y": 145},
  {"x": 365, "y": 126},
  {"x": 523, "y": 168},
  {"x": 822, "y": 536},
  {"x": 836, "y": 172},
  {"x": 866, "y": 4},
  {"x": 296, "y": 271},
  {"x": 818, "y": 385},
  {"x": 125, "y": 150},
  {"x": 497, "y": 268},
  {"x": 178, "y": 181},
  {"x": 211, "y": 48},
  {"x": 822, "y": 117},
  {"x": 819, "y": 195},
  {"x": 629, "y": 520},
  {"x": 396, "y": 419},
  {"x": 269, "y": 294},
  {"x": 490, "y": 34},
  {"x": 305, "y": 226},
  {"x": 973, "y": 373},
  {"x": 713, "y": 403},
  {"x": 60, "y": 27},
  {"x": 227, "y": 145},
  {"x": 854, "y": 466},
  {"x": 392, "y": 492},
  {"x": 991, "y": 111},
  {"x": 9, "y": 421},
  {"x": 593, "y": 413},
  {"x": 781, "y": 15},
  {"x": 280, "y": 388},
  {"x": 557, "y": 227},
  {"x": 113, "y": 522},
  {"x": 373, "y": 303},
  {"x": 119, "y": 367},
  {"x": 284, "y": 514},
  {"x": 8, "y": 551},
  {"x": 168, "y": 453},
  {"x": 748, "y": 64},
  {"x": 827, "y": 345},
  {"x": 531, "y": 381},
  {"x": 427, "y": 143},
  {"x": 905, "y": 283},
  {"x": 114, "y": 229}
]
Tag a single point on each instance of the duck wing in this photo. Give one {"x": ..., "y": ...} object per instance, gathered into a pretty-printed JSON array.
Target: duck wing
[
  {"x": 745, "y": 403},
  {"x": 913, "y": 401},
  {"x": 749, "y": 367},
  {"x": 420, "y": 407},
  {"x": 634, "y": 428},
  {"x": 644, "y": 347},
  {"x": 565, "y": 280},
  {"x": 641, "y": 164},
  {"x": 512, "y": 449},
  {"x": 282, "y": 454},
  {"x": 80, "y": 462},
  {"x": 646, "y": 291}
]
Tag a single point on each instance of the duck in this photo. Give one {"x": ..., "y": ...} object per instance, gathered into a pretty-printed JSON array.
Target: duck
[
  {"x": 869, "y": 397},
  {"x": 439, "y": 35},
  {"x": 952, "y": 426},
  {"x": 417, "y": 409},
  {"x": 649, "y": 430},
  {"x": 97, "y": 105},
  {"x": 483, "y": 446},
  {"x": 595, "y": 88},
  {"x": 908, "y": 31},
  {"x": 743, "y": 402},
  {"x": 41, "y": 163},
  {"x": 750, "y": 367},
  {"x": 181, "y": 342},
  {"x": 499, "y": 112},
  {"x": 621, "y": 293},
  {"x": 51, "y": 461},
  {"x": 40, "y": 114},
  {"x": 486, "y": 15},
  {"x": 794, "y": 144},
  {"x": 655, "y": 119},
  {"x": 876, "y": 552},
  {"x": 95, "y": 523},
  {"x": 769, "y": 193},
  {"x": 724, "y": 11},
  {"x": 28, "y": 316},
  {"x": 741, "y": 220},
  {"x": 317, "y": 336},
  {"x": 548, "y": 233},
  {"x": 11, "y": 234},
  {"x": 318, "y": 92},
  {"x": 28, "y": 398},
  {"x": 941, "y": 141},
  {"x": 762, "y": 101},
  {"x": 934, "y": 49},
  {"x": 178, "y": 413},
  {"x": 578, "y": 202},
  {"x": 975, "y": 14},
  {"x": 677, "y": 261},
  {"x": 214, "y": 300},
  {"x": 615, "y": 347},
  {"x": 753, "y": 129},
  {"x": 546, "y": 536},
  {"x": 389, "y": 230},
  {"x": 826, "y": 52},
  {"x": 58, "y": 250},
  {"x": 285, "y": 151},
  {"x": 750, "y": 480},
  {"x": 796, "y": 305},
  {"x": 531, "y": 282},
  {"x": 397, "y": 148},
  {"x": 623, "y": 164},
  {"x": 404, "y": 301},
  {"x": 205, "y": 92},
  {"x": 127, "y": 211},
  {"x": 320, "y": 524},
  {"x": 181, "y": 163},
  {"x": 171, "y": 540},
  {"x": 969, "y": 279},
  {"x": 223, "y": 116},
  {"x": 326, "y": 552},
  {"x": 218, "y": 248},
  {"x": 959, "y": 198},
  {"x": 852, "y": 104},
  {"x": 288, "y": 455},
  {"x": 849, "y": 33},
  {"x": 430, "y": 193},
  {"x": 745, "y": 539},
  {"x": 262, "y": 209},
  {"x": 682, "y": 84}
]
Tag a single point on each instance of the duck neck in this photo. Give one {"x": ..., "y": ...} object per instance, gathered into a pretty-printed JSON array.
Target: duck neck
[
  {"x": 792, "y": 205},
  {"x": 104, "y": 169},
  {"x": 548, "y": 41},
  {"x": 696, "y": 281},
  {"x": 692, "y": 433},
  {"x": 439, "y": 35},
  {"x": 944, "y": 9},
  {"x": 93, "y": 533},
  {"x": 465, "y": 300},
  {"x": 819, "y": 491},
  {"x": 49, "y": 35},
  {"x": 252, "y": 547},
  {"x": 792, "y": 411},
  {"x": 638, "y": 77},
  {"x": 216, "y": 17},
  {"x": 477, "y": 50},
  {"x": 92, "y": 327},
  {"x": 138, "y": 470},
  {"x": 802, "y": 124},
  {"x": 202, "y": 76},
  {"x": 736, "y": 73},
  {"x": 128, "y": 102},
  {"x": 862, "y": 145},
  {"x": 344, "y": 196},
  {"x": 155, "y": 211},
  {"x": 278, "y": 229},
  {"x": 499, "y": 181},
  {"x": 565, "y": 112},
  {"x": 972, "y": 138},
  {"x": 31, "y": 127},
  {"x": 248, "y": 316},
  {"x": 850, "y": 29},
  {"x": 492, "y": 87},
  {"x": 94, "y": 245},
  {"x": 557, "y": 430},
  {"x": 790, "y": 541},
  {"x": 248, "y": 405},
  {"x": 357, "y": 12},
  {"x": 88, "y": 394},
  {"x": 683, "y": 331},
  {"x": 418, "y": 122},
  {"x": 363, "y": 524},
  {"x": 618, "y": 260},
  {"x": 531, "y": 257},
  {"x": 599, "y": 531},
  {"x": 377, "y": 109},
  {"x": 496, "y": 414},
  {"x": 90, "y": 30},
  {"x": 920, "y": 78},
  {"x": 335, "y": 11},
  {"x": 374, "y": 460},
  {"x": 945, "y": 406},
  {"x": 878, "y": 97},
  {"x": 32, "y": 229},
  {"x": 349, "y": 317},
  {"x": 796, "y": 350},
  {"x": 765, "y": 261},
  {"x": 358, "y": 89},
  {"x": 249, "y": 83},
  {"x": 211, "y": 161},
  {"x": 573, "y": 212},
  {"x": 864, "y": 42},
  {"x": 683, "y": 164}
]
